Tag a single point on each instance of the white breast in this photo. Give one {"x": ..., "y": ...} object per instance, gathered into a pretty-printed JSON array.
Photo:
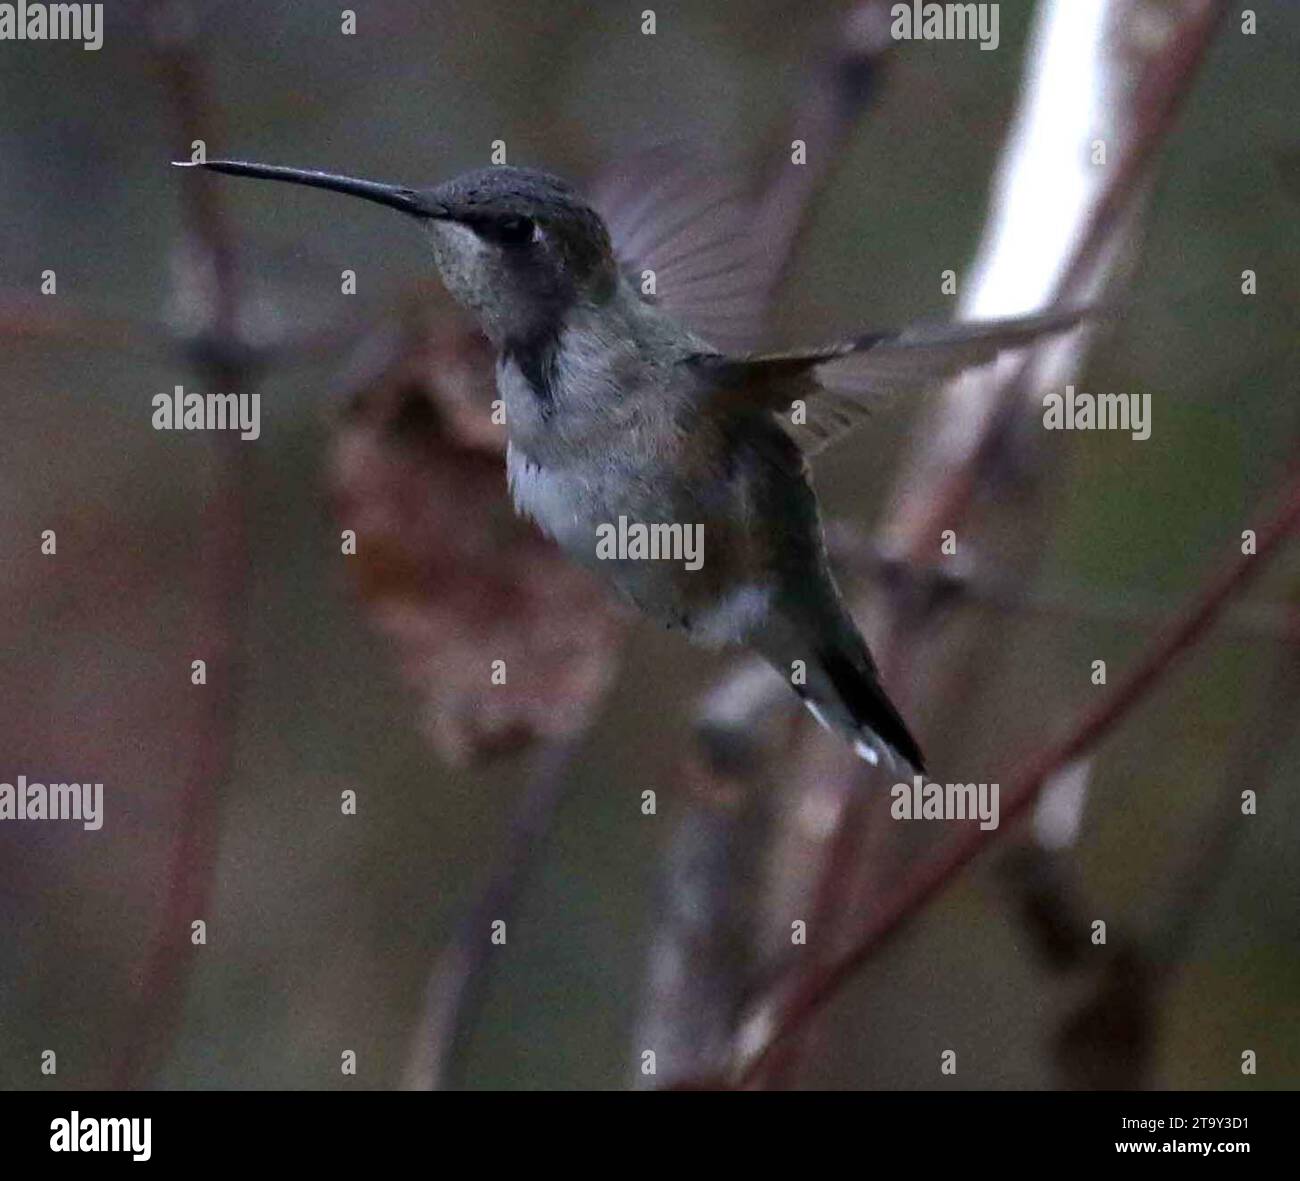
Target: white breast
[{"x": 561, "y": 504}]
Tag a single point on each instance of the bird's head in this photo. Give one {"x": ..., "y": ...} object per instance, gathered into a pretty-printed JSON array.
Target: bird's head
[{"x": 516, "y": 246}]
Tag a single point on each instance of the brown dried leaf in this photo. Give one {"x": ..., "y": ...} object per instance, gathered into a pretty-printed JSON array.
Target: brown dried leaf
[{"x": 447, "y": 568}]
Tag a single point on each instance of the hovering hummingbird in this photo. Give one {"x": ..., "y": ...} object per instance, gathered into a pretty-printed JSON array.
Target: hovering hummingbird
[{"x": 620, "y": 404}]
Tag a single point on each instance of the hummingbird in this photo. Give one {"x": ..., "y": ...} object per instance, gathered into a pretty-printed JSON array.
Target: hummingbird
[{"x": 622, "y": 406}]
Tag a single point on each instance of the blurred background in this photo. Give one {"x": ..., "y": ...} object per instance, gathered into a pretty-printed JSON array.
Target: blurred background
[{"x": 329, "y": 932}]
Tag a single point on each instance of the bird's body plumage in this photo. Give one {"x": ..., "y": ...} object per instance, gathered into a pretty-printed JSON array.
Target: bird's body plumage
[
  {"x": 624, "y": 387},
  {"x": 680, "y": 446},
  {"x": 618, "y": 412}
]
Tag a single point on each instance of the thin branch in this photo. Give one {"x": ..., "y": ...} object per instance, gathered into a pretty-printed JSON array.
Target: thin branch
[
  {"x": 459, "y": 978},
  {"x": 1210, "y": 852},
  {"x": 1086, "y": 76},
  {"x": 698, "y": 962},
  {"x": 934, "y": 875},
  {"x": 223, "y": 569},
  {"x": 843, "y": 78},
  {"x": 941, "y": 589},
  {"x": 29, "y": 317},
  {"x": 1160, "y": 93}
]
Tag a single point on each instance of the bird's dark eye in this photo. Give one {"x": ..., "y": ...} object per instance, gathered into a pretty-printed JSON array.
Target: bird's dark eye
[{"x": 508, "y": 231}]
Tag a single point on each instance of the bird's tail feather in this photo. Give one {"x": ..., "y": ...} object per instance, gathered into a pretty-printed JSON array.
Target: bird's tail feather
[
  {"x": 841, "y": 688},
  {"x": 864, "y": 711}
]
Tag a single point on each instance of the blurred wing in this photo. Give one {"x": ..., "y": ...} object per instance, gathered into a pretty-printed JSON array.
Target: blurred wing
[
  {"x": 839, "y": 386},
  {"x": 692, "y": 230}
]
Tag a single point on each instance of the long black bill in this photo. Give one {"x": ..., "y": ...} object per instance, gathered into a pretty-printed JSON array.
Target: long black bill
[{"x": 394, "y": 196}]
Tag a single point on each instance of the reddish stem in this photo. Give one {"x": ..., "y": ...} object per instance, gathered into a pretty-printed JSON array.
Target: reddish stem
[{"x": 935, "y": 874}]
